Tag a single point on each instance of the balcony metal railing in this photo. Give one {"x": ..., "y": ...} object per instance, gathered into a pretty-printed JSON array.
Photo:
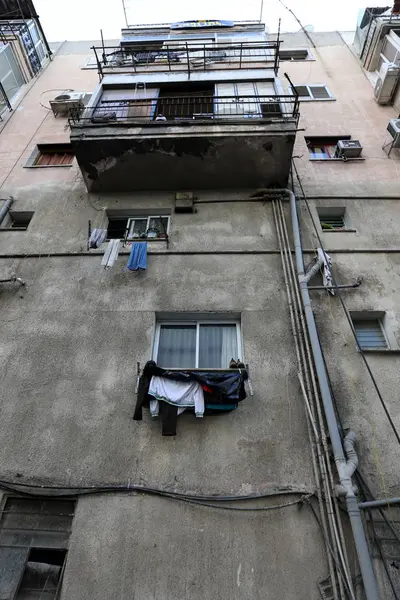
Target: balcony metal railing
[
  {"x": 172, "y": 110},
  {"x": 183, "y": 56}
]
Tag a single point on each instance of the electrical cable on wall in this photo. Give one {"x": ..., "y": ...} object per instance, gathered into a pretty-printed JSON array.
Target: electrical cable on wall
[
  {"x": 348, "y": 317},
  {"x": 48, "y": 491},
  {"x": 301, "y": 25}
]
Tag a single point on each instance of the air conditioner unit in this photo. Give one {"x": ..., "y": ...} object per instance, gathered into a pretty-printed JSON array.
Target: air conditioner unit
[
  {"x": 348, "y": 149},
  {"x": 386, "y": 83},
  {"x": 394, "y": 130},
  {"x": 63, "y": 103}
]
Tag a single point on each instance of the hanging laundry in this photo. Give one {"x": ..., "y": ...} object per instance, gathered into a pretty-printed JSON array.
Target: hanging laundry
[
  {"x": 138, "y": 257},
  {"x": 111, "y": 254},
  {"x": 179, "y": 393},
  {"x": 326, "y": 264},
  {"x": 97, "y": 237},
  {"x": 222, "y": 391}
]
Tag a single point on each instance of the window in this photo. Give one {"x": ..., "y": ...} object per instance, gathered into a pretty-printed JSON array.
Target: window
[
  {"x": 369, "y": 332},
  {"x": 34, "y": 535},
  {"x": 313, "y": 92},
  {"x": 51, "y": 155},
  {"x": 197, "y": 344},
  {"x": 17, "y": 220},
  {"x": 180, "y": 102},
  {"x": 324, "y": 148},
  {"x": 131, "y": 227},
  {"x": 332, "y": 219},
  {"x": 294, "y": 54}
]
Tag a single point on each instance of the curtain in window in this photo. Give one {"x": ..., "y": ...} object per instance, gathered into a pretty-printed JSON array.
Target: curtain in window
[
  {"x": 218, "y": 344},
  {"x": 177, "y": 346}
]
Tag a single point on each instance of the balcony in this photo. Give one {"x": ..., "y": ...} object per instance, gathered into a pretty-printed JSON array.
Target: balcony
[
  {"x": 180, "y": 56},
  {"x": 192, "y": 140}
]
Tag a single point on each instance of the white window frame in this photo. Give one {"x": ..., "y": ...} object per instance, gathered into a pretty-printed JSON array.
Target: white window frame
[
  {"x": 198, "y": 323},
  {"x": 311, "y": 98},
  {"x": 131, "y": 224}
]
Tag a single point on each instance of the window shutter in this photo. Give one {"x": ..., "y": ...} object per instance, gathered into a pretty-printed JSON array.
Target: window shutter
[
  {"x": 319, "y": 92},
  {"x": 302, "y": 91},
  {"x": 369, "y": 334}
]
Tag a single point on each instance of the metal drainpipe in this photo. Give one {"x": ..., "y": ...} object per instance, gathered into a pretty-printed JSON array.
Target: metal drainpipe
[
  {"x": 5, "y": 208},
  {"x": 344, "y": 470}
]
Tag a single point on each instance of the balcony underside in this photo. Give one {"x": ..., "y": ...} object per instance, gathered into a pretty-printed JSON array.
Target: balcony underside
[{"x": 178, "y": 157}]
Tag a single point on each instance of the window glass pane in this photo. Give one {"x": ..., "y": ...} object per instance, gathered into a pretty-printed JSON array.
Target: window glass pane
[
  {"x": 319, "y": 151},
  {"x": 138, "y": 228},
  {"x": 302, "y": 91},
  {"x": 117, "y": 228},
  {"x": 177, "y": 346},
  {"x": 218, "y": 344},
  {"x": 159, "y": 225}
]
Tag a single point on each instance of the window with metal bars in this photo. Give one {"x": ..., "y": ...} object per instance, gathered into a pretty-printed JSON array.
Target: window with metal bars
[
  {"x": 370, "y": 334},
  {"x": 51, "y": 155},
  {"x": 332, "y": 219},
  {"x": 34, "y": 535}
]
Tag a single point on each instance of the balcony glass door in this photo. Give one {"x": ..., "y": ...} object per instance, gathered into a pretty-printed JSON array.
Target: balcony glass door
[{"x": 243, "y": 100}]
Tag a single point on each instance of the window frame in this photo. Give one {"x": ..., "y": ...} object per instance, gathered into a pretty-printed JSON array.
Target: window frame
[
  {"x": 29, "y": 547},
  {"x": 334, "y": 212},
  {"x": 198, "y": 323},
  {"x": 325, "y": 141},
  {"x": 41, "y": 149},
  {"x": 371, "y": 316},
  {"x": 308, "y": 56},
  {"x": 10, "y": 219},
  {"x": 130, "y": 223},
  {"x": 310, "y": 97}
]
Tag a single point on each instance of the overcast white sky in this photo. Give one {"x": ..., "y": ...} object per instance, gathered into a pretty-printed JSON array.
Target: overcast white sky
[{"x": 82, "y": 19}]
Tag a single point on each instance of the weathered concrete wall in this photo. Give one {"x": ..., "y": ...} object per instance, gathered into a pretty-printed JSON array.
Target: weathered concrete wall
[
  {"x": 127, "y": 159},
  {"x": 71, "y": 340}
]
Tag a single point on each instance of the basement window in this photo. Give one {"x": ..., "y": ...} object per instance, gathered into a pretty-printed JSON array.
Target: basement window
[
  {"x": 130, "y": 227},
  {"x": 17, "y": 219},
  {"x": 369, "y": 330},
  {"x": 313, "y": 92},
  {"x": 51, "y": 155},
  {"x": 34, "y": 535}
]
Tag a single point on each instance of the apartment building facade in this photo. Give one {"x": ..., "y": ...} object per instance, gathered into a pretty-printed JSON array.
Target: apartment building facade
[{"x": 188, "y": 138}]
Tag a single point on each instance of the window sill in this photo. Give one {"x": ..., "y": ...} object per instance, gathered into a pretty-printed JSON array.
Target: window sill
[
  {"x": 201, "y": 369},
  {"x": 13, "y": 228},
  {"x": 316, "y": 99},
  {"x": 137, "y": 240},
  {"x": 345, "y": 230},
  {"x": 381, "y": 351},
  {"x": 337, "y": 160},
  {"x": 47, "y": 166}
]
